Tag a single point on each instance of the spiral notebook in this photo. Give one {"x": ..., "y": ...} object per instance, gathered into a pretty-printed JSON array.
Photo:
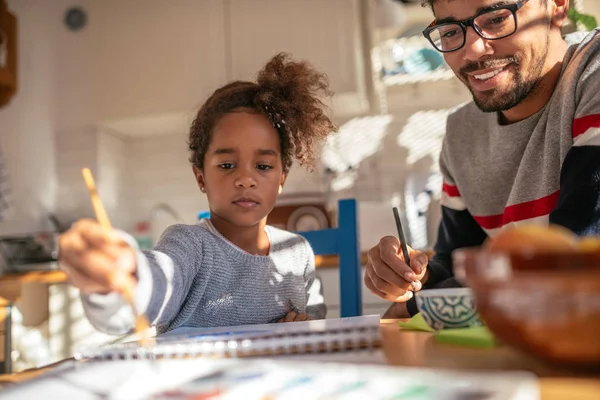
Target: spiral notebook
[{"x": 327, "y": 335}]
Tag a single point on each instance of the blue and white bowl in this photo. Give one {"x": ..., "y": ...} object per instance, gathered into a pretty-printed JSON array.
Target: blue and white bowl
[{"x": 448, "y": 308}]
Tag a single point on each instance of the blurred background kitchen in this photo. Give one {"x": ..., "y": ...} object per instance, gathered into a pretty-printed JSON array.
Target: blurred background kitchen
[{"x": 113, "y": 85}]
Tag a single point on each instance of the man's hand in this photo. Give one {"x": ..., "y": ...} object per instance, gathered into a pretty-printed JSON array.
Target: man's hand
[
  {"x": 295, "y": 317},
  {"x": 388, "y": 276}
]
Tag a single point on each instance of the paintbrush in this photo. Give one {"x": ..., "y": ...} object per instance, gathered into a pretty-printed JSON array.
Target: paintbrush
[{"x": 141, "y": 322}]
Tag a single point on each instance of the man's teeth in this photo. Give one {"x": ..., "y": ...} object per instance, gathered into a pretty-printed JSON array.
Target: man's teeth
[{"x": 488, "y": 75}]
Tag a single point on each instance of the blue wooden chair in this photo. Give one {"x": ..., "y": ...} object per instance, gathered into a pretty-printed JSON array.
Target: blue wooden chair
[{"x": 343, "y": 241}]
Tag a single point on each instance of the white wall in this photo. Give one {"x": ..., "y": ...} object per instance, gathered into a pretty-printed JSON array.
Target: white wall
[
  {"x": 27, "y": 123},
  {"x": 159, "y": 172},
  {"x": 136, "y": 58},
  {"x": 591, "y": 7}
]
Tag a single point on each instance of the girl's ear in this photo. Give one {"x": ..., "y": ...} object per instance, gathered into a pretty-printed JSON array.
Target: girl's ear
[
  {"x": 199, "y": 175},
  {"x": 281, "y": 183}
]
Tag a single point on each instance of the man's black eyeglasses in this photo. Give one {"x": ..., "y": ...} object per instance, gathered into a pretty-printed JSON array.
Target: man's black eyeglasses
[{"x": 492, "y": 24}]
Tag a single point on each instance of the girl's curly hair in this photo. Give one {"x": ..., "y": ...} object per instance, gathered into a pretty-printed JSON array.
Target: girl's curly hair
[{"x": 289, "y": 93}]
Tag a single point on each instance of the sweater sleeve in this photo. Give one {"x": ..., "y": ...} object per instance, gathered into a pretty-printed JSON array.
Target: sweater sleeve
[
  {"x": 165, "y": 275},
  {"x": 578, "y": 206}
]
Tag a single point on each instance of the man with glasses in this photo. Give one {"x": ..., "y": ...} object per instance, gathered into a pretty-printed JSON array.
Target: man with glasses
[{"x": 526, "y": 150}]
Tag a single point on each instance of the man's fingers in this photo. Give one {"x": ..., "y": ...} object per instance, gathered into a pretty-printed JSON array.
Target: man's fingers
[
  {"x": 393, "y": 270},
  {"x": 382, "y": 270},
  {"x": 373, "y": 289},
  {"x": 418, "y": 261},
  {"x": 390, "y": 255},
  {"x": 416, "y": 286},
  {"x": 406, "y": 295},
  {"x": 388, "y": 276},
  {"x": 386, "y": 287}
]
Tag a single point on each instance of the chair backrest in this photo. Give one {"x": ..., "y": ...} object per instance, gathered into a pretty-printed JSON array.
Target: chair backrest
[{"x": 343, "y": 241}]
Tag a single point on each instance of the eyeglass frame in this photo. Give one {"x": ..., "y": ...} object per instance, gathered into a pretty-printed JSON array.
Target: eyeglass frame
[{"x": 469, "y": 22}]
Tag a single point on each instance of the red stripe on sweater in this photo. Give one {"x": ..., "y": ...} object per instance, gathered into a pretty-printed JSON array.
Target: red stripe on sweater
[
  {"x": 581, "y": 125},
  {"x": 519, "y": 212},
  {"x": 450, "y": 190}
]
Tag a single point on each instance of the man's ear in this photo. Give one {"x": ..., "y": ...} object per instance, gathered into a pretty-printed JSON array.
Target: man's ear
[
  {"x": 559, "y": 10},
  {"x": 199, "y": 175},
  {"x": 282, "y": 182}
]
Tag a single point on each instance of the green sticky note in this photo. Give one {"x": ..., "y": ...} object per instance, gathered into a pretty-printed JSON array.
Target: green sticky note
[
  {"x": 416, "y": 323},
  {"x": 478, "y": 336}
]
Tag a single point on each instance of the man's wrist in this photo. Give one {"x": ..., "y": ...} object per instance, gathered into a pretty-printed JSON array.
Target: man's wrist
[{"x": 396, "y": 310}]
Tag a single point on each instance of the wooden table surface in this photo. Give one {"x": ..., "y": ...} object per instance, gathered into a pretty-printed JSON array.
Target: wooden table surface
[{"x": 419, "y": 349}]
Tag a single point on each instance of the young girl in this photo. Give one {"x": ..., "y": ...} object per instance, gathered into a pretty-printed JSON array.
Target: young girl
[{"x": 232, "y": 269}]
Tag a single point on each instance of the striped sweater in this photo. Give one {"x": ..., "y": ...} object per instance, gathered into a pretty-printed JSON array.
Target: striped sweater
[{"x": 544, "y": 169}]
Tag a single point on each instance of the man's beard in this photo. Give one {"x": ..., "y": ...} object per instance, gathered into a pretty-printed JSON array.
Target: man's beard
[{"x": 495, "y": 101}]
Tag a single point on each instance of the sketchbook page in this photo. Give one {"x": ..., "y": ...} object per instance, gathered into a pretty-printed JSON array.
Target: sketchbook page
[{"x": 321, "y": 325}]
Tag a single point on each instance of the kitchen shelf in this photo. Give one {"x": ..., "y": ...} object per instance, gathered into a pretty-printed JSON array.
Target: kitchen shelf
[
  {"x": 408, "y": 55},
  {"x": 403, "y": 79}
]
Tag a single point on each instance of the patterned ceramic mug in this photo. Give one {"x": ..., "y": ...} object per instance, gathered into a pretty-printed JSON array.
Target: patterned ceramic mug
[{"x": 448, "y": 308}]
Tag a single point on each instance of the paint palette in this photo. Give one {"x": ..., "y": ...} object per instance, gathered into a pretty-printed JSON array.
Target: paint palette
[{"x": 262, "y": 380}]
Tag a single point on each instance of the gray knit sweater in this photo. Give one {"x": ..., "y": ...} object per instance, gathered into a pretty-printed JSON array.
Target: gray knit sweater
[{"x": 195, "y": 277}]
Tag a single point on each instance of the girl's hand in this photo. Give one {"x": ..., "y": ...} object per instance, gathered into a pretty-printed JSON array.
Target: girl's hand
[
  {"x": 295, "y": 317},
  {"x": 95, "y": 259}
]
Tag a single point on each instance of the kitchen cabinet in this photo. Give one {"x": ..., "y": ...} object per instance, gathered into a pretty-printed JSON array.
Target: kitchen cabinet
[
  {"x": 328, "y": 34},
  {"x": 196, "y": 47},
  {"x": 8, "y": 54}
]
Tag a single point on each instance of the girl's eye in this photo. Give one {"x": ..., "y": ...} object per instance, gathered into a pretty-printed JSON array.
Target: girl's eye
[
  {"x": 226, "y": 166},
  {"x": 264, "y": 167}
]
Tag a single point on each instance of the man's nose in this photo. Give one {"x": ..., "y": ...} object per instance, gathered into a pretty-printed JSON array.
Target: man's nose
[{"x": 476, "y": 46}]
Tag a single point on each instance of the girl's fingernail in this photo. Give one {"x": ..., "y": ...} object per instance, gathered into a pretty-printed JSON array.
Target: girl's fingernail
[{"x": 409, "y": 276}]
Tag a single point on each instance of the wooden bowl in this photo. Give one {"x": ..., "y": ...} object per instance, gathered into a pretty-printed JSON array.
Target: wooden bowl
[{"x": 545, "y": 304}]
